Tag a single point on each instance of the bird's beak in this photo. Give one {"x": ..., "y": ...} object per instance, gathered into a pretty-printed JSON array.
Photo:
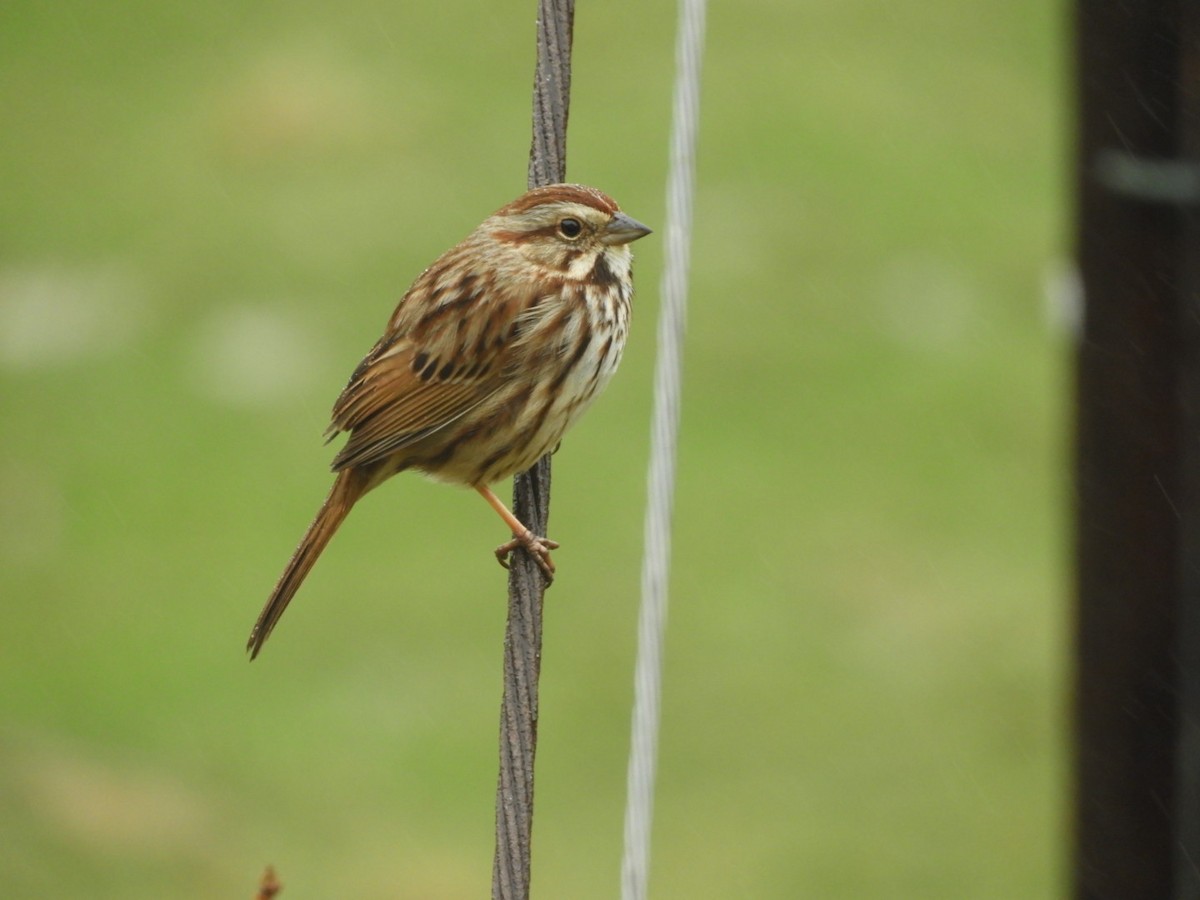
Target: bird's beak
[{"x": 622, "y": 229}]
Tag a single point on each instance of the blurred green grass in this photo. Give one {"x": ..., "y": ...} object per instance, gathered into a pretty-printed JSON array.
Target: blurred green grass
[{"x": 209, "y": 211}]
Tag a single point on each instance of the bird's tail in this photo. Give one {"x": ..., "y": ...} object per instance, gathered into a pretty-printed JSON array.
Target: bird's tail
[{"x": 350, "y": 485}]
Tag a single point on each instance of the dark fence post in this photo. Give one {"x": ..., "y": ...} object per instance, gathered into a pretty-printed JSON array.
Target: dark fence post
[
  {"x": 1187, "y": 849},
  {"x": 531, "y": 504},
  {"x": 1137, "y": 677}
]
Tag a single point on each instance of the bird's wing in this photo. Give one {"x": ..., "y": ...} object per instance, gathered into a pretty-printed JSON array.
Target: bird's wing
[{"x": 446, "y": 351}]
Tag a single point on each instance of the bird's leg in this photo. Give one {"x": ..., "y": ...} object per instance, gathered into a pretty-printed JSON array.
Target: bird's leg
[{"x": 539, "y": 547}]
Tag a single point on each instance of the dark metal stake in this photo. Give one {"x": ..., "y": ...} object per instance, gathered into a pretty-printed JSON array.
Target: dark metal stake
[
  {"x": 1137, "y": 677},
  {"x": 531, "y": 504}
]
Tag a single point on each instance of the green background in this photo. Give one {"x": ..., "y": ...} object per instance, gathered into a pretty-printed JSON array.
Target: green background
[{"x": 208, "y": 212}]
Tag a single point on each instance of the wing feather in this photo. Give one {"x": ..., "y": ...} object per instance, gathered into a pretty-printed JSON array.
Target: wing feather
[
  {"x": 450, "y": 346},
  {"x": 392, "y": 408}
]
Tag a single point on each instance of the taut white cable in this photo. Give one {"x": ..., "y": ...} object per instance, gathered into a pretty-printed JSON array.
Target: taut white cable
[{"x": 652, "y": 619}]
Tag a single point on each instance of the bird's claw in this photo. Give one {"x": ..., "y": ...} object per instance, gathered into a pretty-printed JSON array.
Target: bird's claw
[{"x": 537, "y": 547}]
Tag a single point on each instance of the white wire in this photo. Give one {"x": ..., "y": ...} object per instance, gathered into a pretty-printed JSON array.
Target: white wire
[{"x": 652, "y": 619}]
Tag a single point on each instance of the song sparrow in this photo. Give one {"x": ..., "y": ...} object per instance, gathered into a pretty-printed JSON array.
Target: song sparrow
[{"x": 491, "y": 355}]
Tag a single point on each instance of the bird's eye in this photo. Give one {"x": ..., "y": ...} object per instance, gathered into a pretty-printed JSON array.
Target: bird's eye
[{"x": 570, "y": 228}]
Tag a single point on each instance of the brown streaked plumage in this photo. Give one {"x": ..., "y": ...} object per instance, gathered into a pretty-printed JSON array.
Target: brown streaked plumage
[{"x": 491, "y": 355}]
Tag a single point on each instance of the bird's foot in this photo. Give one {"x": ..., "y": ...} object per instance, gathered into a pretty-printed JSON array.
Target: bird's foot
[{"x": 537, "y": 547}]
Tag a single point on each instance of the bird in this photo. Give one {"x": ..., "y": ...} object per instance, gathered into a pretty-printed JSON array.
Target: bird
[{"x": 490, "y": 356}]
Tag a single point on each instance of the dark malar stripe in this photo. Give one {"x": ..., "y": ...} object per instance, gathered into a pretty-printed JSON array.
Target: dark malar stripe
[{"x": 602, "y": 273}]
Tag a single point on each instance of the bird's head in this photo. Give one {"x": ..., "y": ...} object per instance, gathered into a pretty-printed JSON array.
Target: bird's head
[{"x": 568, "y": 229}]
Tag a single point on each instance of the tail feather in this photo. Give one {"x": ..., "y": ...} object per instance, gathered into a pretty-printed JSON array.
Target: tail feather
[{"x": 347, "y": 489}]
